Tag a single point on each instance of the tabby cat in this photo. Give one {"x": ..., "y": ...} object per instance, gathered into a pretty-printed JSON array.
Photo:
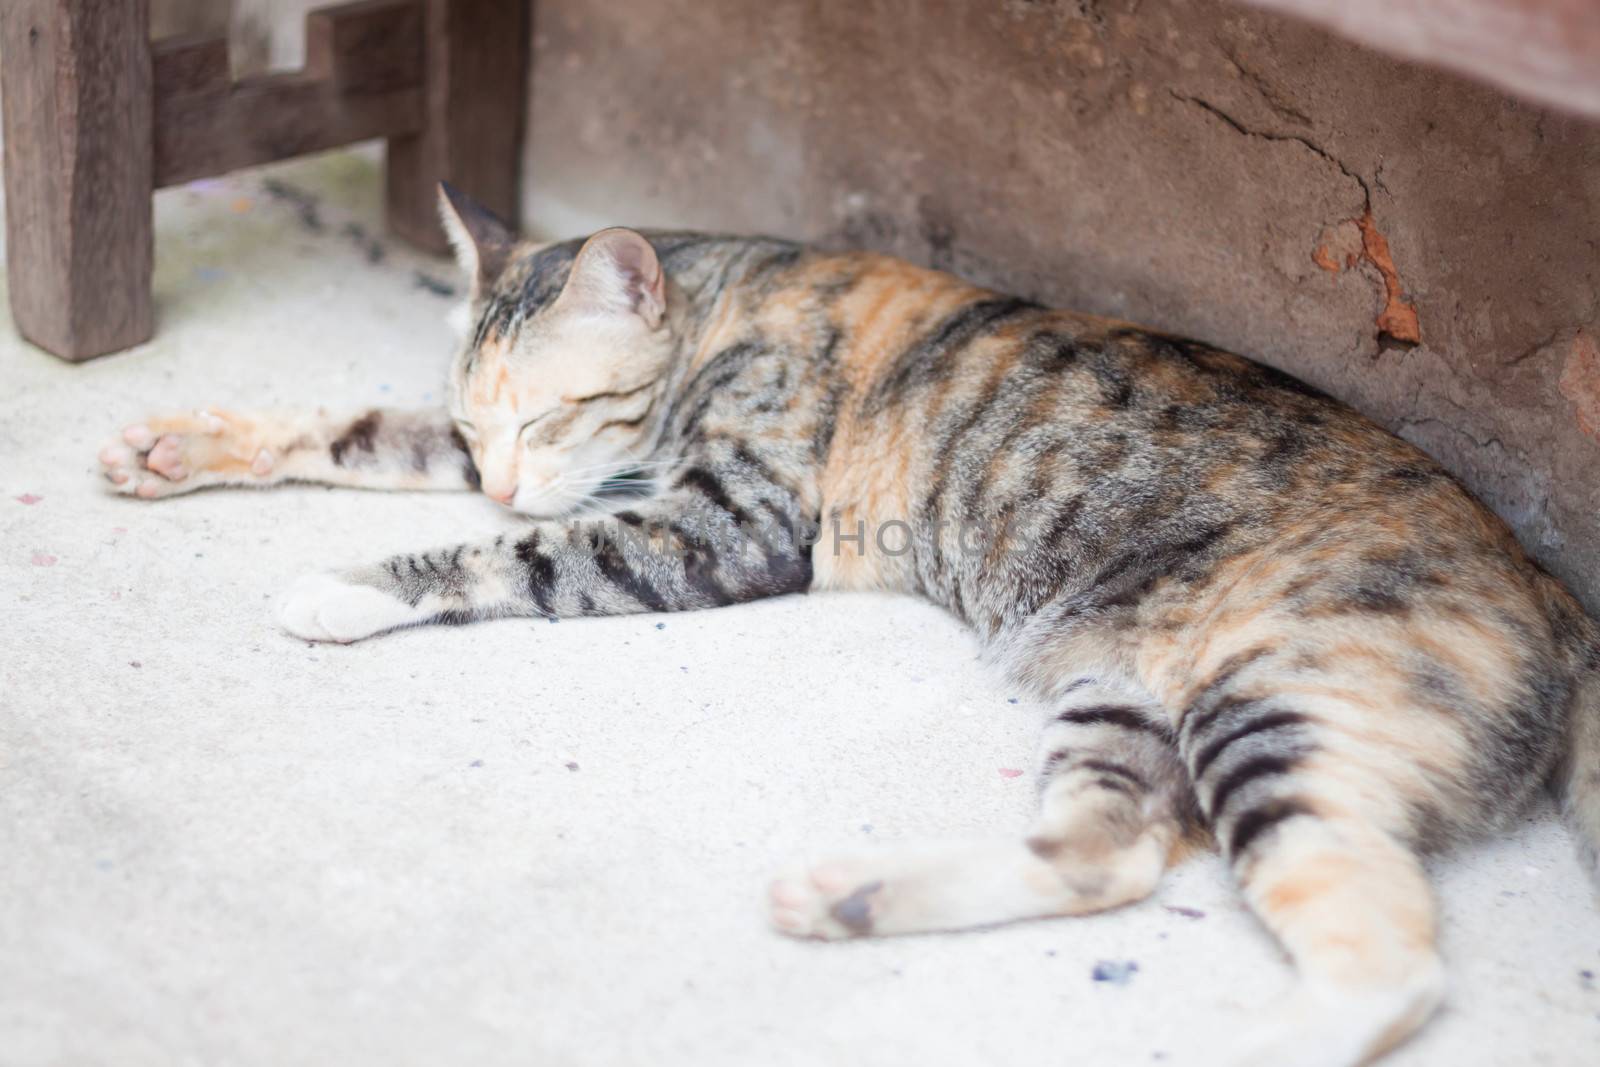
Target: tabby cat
[{"x": 1258, "y": 619}]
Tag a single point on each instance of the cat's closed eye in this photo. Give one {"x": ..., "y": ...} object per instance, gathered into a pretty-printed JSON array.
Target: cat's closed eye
[{"x": 547, "y": 428}]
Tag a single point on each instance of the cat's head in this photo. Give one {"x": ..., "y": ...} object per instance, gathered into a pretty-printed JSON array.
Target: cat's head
[{"x": 558, "y": 382}]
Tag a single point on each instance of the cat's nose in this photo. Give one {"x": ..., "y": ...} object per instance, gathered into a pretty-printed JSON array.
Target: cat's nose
[{"x": 502, "y": 495}]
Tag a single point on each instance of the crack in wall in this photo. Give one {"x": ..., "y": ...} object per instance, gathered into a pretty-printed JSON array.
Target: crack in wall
[
  {"x": 1397, "y": 322},
  {"x": 1268, "y": 93},
  {"x": 1239, "y": 127},
  {"x": 1538, "y": 348},
  {"x": 1466, "y": 413},
  {"x": 1484, "y": 443},
  {"x": 1515, "y": 464}
]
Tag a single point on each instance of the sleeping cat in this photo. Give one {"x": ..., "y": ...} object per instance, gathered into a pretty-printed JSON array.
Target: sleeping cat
[{"x": 1257, "y": 618}]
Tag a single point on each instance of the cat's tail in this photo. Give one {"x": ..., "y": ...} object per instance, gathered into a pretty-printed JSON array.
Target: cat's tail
[{"x": 1578, "y": 779}]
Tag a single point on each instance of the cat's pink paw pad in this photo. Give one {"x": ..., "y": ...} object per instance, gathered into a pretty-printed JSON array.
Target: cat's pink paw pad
[
  {"x": 824, "y": 902},
  {"x": 123, "y": 462},
  {"x": 326, "y": 607},
  {"x": 166, "y": 458}
]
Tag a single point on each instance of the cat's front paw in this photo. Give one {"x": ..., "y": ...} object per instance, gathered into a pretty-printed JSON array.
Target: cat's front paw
[
  {"x": 327, "y": 607},
  {"x": 175, "y": 454}
]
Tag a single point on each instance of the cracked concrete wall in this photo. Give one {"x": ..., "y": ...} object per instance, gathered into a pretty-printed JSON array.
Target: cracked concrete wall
[{"x": 1421, "y": 246}]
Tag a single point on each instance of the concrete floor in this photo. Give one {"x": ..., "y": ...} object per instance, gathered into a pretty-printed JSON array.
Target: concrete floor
[{"x": 525, "y": 842}]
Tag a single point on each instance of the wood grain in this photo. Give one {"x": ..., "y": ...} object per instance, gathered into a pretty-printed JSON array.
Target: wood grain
[
  {"x": 477, "y": 62},
  {"x": 363, "y": 80},
  {"x": 77, "y": 111}
]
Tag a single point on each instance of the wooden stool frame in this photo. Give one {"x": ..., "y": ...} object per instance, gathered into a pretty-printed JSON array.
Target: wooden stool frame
[{"x": 97, "y": 118}]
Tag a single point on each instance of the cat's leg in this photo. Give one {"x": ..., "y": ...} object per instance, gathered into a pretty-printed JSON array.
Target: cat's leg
[
  {"x": 1354, "y": 910},
  {"x": 718, "y": 534},
  {"x": 1313, "y": 817},
  {"x": 1113, "y": 805},
  {"x": 376, "y": 449}
]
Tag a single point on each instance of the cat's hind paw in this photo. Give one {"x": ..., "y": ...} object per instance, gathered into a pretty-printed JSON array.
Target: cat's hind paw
[
  {"x": 326, "y": 607},
  {"x": 917, "y": 887},
  {"x": 1320, "y": 1025},
  {"x": 176, "y": 454},
  {"x": 827, "y": 902}
]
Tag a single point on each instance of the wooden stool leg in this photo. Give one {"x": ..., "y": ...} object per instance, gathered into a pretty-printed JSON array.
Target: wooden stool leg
[
  {"x": 77, "y": 108},
  {"x": 476, "y": 54}
]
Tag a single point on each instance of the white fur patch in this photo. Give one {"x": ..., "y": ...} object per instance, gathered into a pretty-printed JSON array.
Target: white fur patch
[{"x": 325, "y": 607}]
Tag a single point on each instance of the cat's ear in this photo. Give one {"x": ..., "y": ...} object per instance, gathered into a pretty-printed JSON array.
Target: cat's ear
[
  {"x": 617, "y": 270},
  {"x": 482, "y": 243}
]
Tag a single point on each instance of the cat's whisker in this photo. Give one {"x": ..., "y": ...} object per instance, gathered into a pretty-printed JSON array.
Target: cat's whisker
[
  {"x": 604, "y": 469},
  {"x": 627, "y": 479}
]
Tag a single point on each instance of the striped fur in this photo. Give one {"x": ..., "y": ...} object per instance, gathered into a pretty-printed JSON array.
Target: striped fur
[{"x": 1259, "y": 618}]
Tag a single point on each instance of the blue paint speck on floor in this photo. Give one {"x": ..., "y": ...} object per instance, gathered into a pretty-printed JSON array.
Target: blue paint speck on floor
[{"x": 1117, "y": 972}]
